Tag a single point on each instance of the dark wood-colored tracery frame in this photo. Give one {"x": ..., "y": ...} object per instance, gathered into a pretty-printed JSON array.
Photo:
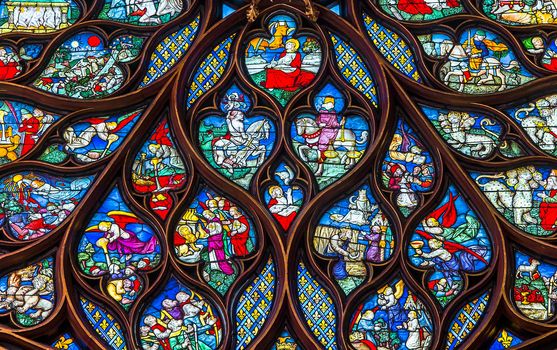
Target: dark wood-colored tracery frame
[{"x": 398, "y": 96}]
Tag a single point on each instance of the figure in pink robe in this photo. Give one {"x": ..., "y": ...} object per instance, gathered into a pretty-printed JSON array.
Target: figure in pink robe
[{"x": 327, "y": 120}]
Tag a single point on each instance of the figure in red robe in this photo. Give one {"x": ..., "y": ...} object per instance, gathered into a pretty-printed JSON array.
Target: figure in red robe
[
  {"x": 425, "y": 7},
  {"x": 239, "y": 232},
  {"x": 30, "y": 126},
  {"x": 548, "y": 206},
  {"x": 286, "y": 73}
]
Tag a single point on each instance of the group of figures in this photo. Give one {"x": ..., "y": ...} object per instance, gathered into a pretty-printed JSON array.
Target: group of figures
[
  {"x": 408, "y": 168},
  {"x": 451, "y": 241},
  {"x": 116, "y": 243},
  {"x": 38, "y": 16},
  {"x": 84, "y": 67},
  {"x": 525, "y": 196},
  {"x": 164, "y": 250},
  {"x": 34, "y": 204},
  {"x": 21, "y": 127},
  {"x": 179, "y": 318},
  {"x": 29, "y": 292},
  {"x": 521, "y": 12},
  {"x": 354, "y": 231},
  {"x": 393, "y": 318},
  {"x": 142, "y": 12},
  {"x": 214, "y": 230},
  {"x": 479, "y": 62}
]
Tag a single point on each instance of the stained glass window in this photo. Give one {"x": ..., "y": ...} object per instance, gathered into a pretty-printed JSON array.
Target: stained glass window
[{"x": 286, "y": 175}]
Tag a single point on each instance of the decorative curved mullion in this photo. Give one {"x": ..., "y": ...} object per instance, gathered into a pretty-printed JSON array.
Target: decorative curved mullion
[
  {"x": 519, "y": 28},
  {"x": 475, "y": 199},
  {"x": 510, "y": 131},
  {"x": 8, "y": 337},
  {"x": 273, "y": 319},
  {"x": 296, "y": 321},
  {"x": 411, "y": 41},
  {"x": 298, "y": 184},
  {"x": 103, "y": 181}
]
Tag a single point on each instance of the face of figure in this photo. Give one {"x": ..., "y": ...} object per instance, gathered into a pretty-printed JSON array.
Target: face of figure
[
  {"x": 181, "y": 297},
  {"x": 111, "y": 125},
  {"x": 368, "y": 315},
  {"x": 442, "y": 282},
  {"x": 104, "y": 226},
  {"x": 434, "y": 243},
  {"x": 537, "y": 42},
  {"x": 329, "y": 105},
  {"x": 551, "y": 182},
  {"x": 290, "y": 47},
  {"x": 432, "y": 222},
  {"x": 479, "y": 36},
  {"x": 235, "y": 212},
  {"x": 277, "y": 192},
  {"x": 150, "y": 320},
  {"x": 167, "y": 303},
  {"x": 212, "y": 204}
]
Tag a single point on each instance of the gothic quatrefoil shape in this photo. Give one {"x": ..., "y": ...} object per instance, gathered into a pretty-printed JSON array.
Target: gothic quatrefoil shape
[
  {"x": 283, "y": 63},
  {"x": 329, "y": 142},
  {"x": 234, "y": 142}
]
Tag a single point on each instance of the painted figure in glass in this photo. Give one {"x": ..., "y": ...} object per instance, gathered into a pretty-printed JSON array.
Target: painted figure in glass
[
  {"x": 480, "y": 62},
  {"x": 525, "y": 196},
  {"x": 284, "y": 199},
  {"x": 180, "y": 318},
  {"x": 408, "y": 168},
  {"x": 236, "y": 145},
  {"x": 354, "y": 230},
  {"x": 521, "y": 12},
  {"x": 329, "y": 142},
  {"x": 539, "y": 120},
  {"x": 21, "y": 127},
  {"x": 214, "y": 230},
  {"x": 93, "y": 139},
  {"x": 84, "y": 67},
  {"x": 118, "y": 244},
  {"x": 452, "y": 241},
  {"x": 535, "y": 287},
  {"x": 38, "y": 16},
  {"x": 29, "y": 293},
  {"x": 33, "y": 204},
  {"x": 142, "y": 12},
  {"x": 392, "y": 318},
  {"x": 472, "y": 134},
  {"x": 159, "y": 169},
  {"x": 285, "y": 63},
  {"x": 420, "y": 10}
]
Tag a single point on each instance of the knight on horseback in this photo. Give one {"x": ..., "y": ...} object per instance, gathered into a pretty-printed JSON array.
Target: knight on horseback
[{"x": 234, "y": 149}]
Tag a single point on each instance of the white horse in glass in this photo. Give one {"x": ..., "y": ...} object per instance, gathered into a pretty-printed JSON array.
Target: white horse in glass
[{"x": 459, "y": 61}]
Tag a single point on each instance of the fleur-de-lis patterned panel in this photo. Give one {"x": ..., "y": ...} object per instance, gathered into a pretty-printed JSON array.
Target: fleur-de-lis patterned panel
[{"x": 285, "y": 175}]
